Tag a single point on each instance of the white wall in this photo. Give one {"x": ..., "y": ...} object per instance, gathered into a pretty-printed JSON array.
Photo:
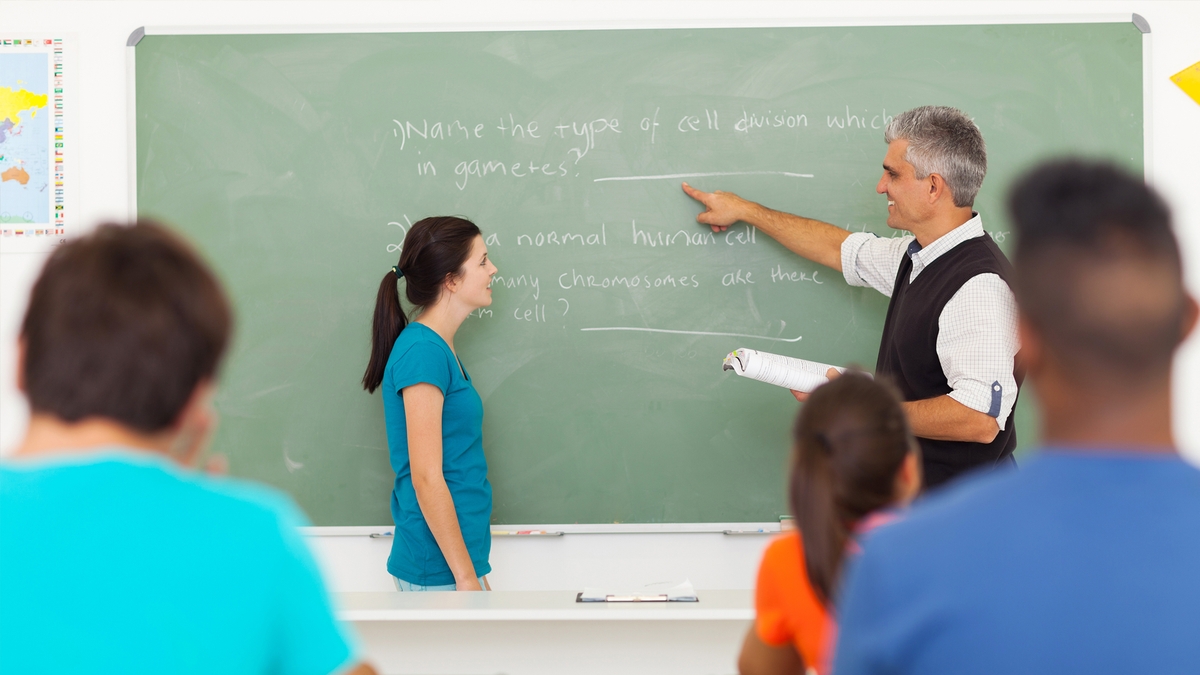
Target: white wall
[{"x": 711, "y": 560}]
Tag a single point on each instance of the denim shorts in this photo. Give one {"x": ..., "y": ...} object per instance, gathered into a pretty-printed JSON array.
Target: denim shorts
[{"x": 402, "y": 585}]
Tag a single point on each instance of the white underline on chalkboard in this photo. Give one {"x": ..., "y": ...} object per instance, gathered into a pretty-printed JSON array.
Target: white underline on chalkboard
[
  {"x": 695, "y": 332},
  {"x": 667, "y": 176}
]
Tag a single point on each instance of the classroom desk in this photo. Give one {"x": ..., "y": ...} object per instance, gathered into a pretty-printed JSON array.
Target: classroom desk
[{"x": 534, "y": 632}]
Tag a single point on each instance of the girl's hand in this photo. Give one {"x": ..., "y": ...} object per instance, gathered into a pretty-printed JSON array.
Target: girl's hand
[{"x": 471, "y": 584}]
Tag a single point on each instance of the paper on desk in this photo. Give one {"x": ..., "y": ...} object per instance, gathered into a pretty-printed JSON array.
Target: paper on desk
[{"x": 681, "y": 592}]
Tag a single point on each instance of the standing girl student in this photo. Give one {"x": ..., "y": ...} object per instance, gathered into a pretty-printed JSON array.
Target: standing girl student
[
  {"x": 853, "y": 457},
  {"x": 441, "y": 501}
]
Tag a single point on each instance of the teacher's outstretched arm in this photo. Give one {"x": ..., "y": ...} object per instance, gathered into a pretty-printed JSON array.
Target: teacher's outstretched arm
[
  {"x": 423, "y": 410},
  {"x": 814, "y": 239}
]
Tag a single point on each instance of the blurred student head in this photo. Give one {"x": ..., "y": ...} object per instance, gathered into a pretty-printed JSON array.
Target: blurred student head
[
  {"x": 120, "y": 347},
  {"x": 1099, "y": 283},
  {"x": 853, "y": 454},
  {"x": 127, "y": 326}
]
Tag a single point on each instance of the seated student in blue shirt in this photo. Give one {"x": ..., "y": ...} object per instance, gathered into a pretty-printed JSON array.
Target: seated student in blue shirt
[
  {"x": 1087, "y": 560},
  {"x": 115, "y": 556},
  {"x": 442, "y": 500}
]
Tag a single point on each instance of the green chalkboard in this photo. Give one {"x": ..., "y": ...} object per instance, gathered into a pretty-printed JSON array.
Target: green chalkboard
[{"x": 296, "y": 163}]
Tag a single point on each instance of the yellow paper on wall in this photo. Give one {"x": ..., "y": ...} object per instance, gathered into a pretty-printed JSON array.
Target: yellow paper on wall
[{"x": 1188, "y": 80}]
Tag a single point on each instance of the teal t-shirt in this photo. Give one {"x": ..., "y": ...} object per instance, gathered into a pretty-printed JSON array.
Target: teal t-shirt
[
  {"x": 118, "y": 561},
  {"x": 421, "y": 355}
]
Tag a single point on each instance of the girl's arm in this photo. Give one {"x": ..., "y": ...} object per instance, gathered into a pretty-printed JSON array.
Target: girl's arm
[{"x": 423, "y": 412}]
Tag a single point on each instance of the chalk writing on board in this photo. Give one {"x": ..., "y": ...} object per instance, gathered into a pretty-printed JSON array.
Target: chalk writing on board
[
  {"x": 522, "y": 280},
  {"x": 536, "y": 314},
  {"x": 864, "y": 121},
  {"x": 736, "y": 235},
  {"x": 480, "y": 168},
  {"x": 656, "y": 239},
  {"x": 740, "y": 235},
  {"x": 583, "y": 135},
  {"x": 513, "y": 128},
  {"x": 674, "y": 176},
  {"x": 640, "y": 329},
  {"x": 573, "y": 279},
  {"x": 565, "y": 144},
  {"x": 393, "y": 248},
  {"x": 291, "y": 464},
  {"x": 777, "y": 275},
  {"x": 406, "y": 130},
  {"x": 540, "y": 239},
  {"x": 588, "y": 130},
  {"x": 738, "y": 277},
  {"x": 651, "y": 125},
  {"x": 691, "y": 123},
  {"x": 750, "y": 121}
]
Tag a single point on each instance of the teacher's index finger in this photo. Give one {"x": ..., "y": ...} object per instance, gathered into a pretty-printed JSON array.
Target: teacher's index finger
[
  {"x": 698, "y": 195},
  {"x": 704, "y": 217}
]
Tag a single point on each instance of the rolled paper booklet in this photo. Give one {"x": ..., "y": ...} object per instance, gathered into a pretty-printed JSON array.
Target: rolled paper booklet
[{"x": 782, "y": 371}]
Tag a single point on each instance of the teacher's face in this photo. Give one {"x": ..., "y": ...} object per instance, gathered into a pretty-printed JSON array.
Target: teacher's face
[
  {"x": 909, "y": 202},
  {"x": 474, "y": 286}
]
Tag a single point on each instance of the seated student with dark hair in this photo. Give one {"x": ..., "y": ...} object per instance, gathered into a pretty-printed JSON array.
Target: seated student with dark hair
[
  {"x": 1087, "y": 560},
  {"x": 114, "y": 556},
  {"x": 853, "y": 458}
]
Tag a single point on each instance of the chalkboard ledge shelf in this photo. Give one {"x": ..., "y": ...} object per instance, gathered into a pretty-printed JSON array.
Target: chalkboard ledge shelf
[
  {"x": 721, "y": 605},
  {"x": 568, "y": 529}
]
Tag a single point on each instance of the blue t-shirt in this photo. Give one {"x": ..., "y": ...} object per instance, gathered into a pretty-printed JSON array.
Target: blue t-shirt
[
  {"x": 119, "y": 561},
  {"x": 421, "y": 355},
  {"x": 1080, "y": 562}
]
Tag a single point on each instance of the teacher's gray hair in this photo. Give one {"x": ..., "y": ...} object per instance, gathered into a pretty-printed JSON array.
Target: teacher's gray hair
[{"x": 943, "y": 140}]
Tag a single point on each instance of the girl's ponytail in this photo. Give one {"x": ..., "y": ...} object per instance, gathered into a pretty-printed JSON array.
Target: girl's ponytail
[
  {"x": 385, "y": 328},
  {"x": 851, "y": 438},
  {"x": 822, "y": 528}
]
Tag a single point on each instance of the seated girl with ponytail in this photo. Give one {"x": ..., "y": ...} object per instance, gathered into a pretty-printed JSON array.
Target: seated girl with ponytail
[
  {"x": 441, "y": 500},
  {"x": 853, "y": 458}
]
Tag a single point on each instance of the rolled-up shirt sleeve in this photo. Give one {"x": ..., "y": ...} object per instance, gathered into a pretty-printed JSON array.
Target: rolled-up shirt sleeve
[
  {"x": 868, "y": 260},
  {"x": 977, "y": 343}
]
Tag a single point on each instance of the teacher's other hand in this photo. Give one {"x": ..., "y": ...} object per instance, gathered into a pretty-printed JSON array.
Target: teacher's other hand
[
  {"x": 722, "y": 209},
  {"x": 802, "y": 396}
]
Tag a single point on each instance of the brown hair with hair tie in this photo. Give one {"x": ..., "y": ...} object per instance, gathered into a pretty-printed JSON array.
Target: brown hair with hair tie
[
  {"x": 435, "y": 250},
  {"x": 850, "y": 440}
]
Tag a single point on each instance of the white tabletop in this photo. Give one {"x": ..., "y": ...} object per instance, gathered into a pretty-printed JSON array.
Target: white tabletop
[{"x": 736, "y": 605}]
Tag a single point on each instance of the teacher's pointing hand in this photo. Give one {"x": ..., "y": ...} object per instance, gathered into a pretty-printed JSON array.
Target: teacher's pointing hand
[{"x": 722, "y": 209}]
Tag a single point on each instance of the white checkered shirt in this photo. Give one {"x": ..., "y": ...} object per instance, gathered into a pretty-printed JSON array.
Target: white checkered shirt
[{"x": 977, "y": 331}]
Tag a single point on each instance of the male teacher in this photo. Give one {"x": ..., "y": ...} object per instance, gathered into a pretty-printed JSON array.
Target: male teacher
[{"x": 950, "y": 336}]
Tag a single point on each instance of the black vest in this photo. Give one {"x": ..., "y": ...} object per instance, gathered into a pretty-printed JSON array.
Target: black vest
[{"x": 908, "y": 351}]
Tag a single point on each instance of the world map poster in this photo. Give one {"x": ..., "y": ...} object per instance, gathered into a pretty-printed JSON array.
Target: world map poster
[{"x": 33, "y": 108}]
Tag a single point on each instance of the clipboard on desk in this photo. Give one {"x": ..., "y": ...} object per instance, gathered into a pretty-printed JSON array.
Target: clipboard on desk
[{"x": 679, "y": 593}]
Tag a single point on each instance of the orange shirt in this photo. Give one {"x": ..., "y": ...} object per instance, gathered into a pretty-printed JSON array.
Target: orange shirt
[{"x": 787, "y": 606}]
